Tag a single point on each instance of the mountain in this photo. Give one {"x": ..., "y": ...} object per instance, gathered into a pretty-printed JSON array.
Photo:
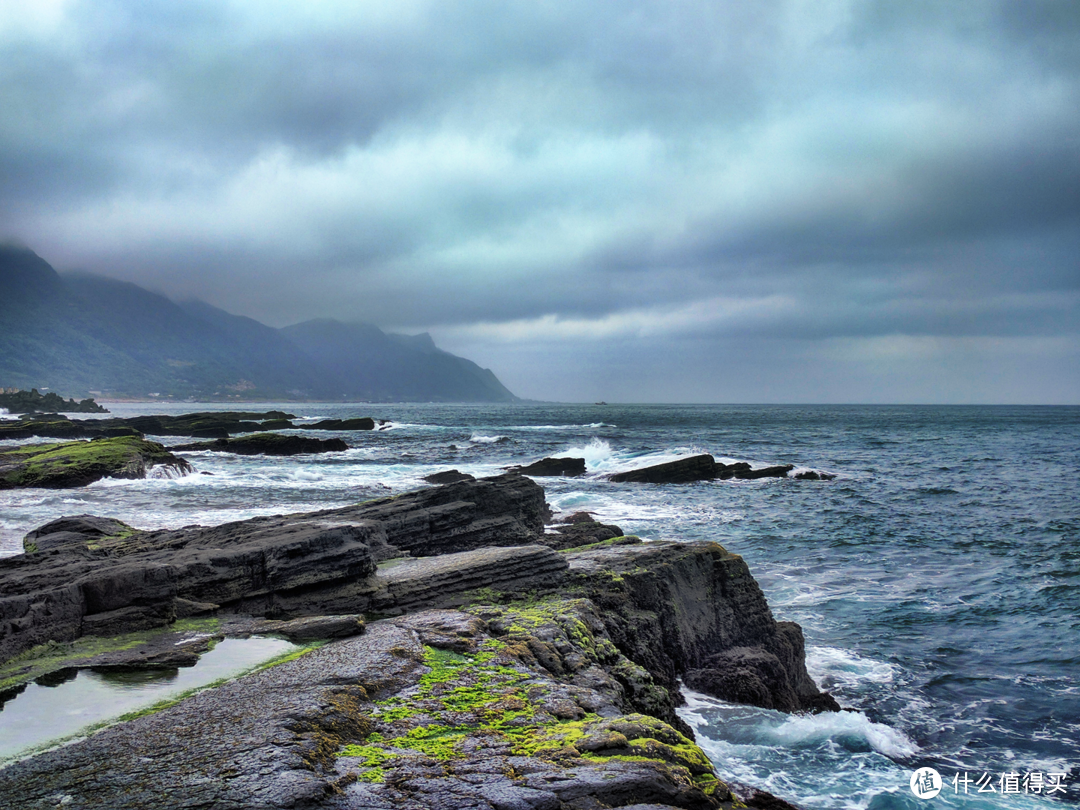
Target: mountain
[{"x": 90, "y": 335}]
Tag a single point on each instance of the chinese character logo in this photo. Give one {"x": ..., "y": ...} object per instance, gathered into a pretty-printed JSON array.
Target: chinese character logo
[{"x": 926, "y": 783}]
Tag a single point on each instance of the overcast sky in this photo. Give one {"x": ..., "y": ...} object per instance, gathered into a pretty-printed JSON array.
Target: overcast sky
[{"x": 632, "y": 201}]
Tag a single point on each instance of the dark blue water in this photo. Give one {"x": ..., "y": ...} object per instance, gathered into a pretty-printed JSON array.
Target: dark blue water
[{"x": 937, "y": 578}]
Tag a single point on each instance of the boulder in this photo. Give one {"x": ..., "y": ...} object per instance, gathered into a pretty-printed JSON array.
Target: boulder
[
  {"x": 81, "y": 530},
  {"x": 268, "y": 444},
  {"x": 76, "y": 464},
  {"x": 567, "y": 467}
]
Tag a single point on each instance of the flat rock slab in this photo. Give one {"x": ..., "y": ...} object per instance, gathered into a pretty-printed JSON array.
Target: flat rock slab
[
  {"x": 300, "y": 734},
  {"x": 439, "y": 581}
]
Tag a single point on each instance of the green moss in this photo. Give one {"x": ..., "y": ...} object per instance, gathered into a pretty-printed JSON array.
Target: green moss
[
  {"x": 621, "y": 540},
  {"x": 57, "y": 464}
]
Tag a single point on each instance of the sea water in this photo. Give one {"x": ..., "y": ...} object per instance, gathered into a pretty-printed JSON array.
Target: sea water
[{"x": 937, "y": 578}]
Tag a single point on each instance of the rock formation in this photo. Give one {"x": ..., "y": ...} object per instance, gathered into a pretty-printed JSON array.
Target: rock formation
[
  {"x": 568, "y": 467},
  {"x": 704, "y": 467},
  {"x": 15, "y": 401},
  {"x": 268, "y": 444},
  {"x": 76, "y": 464},
  {"x": 209, "y": 425},
  {"x": 513, "y": 675}
]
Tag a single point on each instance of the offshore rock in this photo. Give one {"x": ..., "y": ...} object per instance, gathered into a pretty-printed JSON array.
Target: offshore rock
[
  {"x": 680, "y": 471},
  {"x": 356, "y": 725},
  {"x": 705, "y": 468},
  {"x": 779, "y": 471},
  {"x": 566, "y": 467},
  {"x": 268, "y": 444},
  {"x": 34, "y": 402},
  {"x": 208, "y": 425},
  {"x": 76, "y": 464},
  {"x": 814, "y": 475},
  {"x": 361, "y": 423},
  {"x": 448, "y": 477}
]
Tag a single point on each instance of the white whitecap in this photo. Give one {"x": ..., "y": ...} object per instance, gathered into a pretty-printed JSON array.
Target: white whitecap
[
  {"x": 832, "y": 668},
  {"x": 479, "y": 438},
  {"x": 806, "y": 730},
  {"x": 597, "y": 454}
]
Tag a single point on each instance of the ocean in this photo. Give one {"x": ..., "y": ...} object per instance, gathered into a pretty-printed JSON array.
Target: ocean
[{"x": 937, "y": 578}]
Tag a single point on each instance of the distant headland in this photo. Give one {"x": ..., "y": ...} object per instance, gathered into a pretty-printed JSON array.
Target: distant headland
[{"x": 97, "y": 337}]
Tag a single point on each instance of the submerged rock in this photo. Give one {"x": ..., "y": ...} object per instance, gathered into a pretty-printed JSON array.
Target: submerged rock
[
  {"x": 76, "y": 464},
  {"x": 268, "y": 444}
]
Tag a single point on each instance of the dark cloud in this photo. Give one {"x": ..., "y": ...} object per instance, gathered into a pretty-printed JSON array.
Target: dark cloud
[{"x": 597, "y": 177}]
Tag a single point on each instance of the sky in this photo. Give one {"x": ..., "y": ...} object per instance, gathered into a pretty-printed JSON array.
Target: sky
[{"x": 670, "y": 201}]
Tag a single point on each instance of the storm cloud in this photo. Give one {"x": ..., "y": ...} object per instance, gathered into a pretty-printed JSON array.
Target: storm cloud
[{"x": 643, "y": 201}]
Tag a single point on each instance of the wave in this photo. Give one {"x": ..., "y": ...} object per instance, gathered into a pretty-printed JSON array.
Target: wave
[
  {"x": 852, "y": 730},
  {"x": 834, "y": 668},
  {"x": 590, "y": 426},
  {"x": 479, "y": 438},
  {"x": 166, "y": 471},
  {"x": 4, "y": 415}
]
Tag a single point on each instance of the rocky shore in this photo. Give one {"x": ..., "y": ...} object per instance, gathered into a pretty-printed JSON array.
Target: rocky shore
[{"x": 513, "y": 667}]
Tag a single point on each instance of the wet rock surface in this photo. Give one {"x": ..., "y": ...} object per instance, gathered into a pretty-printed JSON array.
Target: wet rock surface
[
  {"x": 512, "y": 674},
  {"x": 86, "y": 576},
  {"x": 448, "y": 477},
  {"x": 76, "y": 464},
  {"x": 704, "y": 467},
  {"x": 267, "y": 444},
  {"x": 438, "y": 709},
  {"x": 580, "y": 529},
  {"x": 567, "y": 467}
]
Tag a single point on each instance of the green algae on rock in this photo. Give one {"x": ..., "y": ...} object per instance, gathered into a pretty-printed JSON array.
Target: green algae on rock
[{"x": 76, "y": 464}]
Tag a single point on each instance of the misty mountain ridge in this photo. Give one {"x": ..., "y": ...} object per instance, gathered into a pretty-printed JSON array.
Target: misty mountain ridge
[{"x": 89, "y": 335}]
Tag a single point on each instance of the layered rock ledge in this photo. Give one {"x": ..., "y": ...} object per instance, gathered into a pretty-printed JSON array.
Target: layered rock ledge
[{"x": 509, "y": 675}]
